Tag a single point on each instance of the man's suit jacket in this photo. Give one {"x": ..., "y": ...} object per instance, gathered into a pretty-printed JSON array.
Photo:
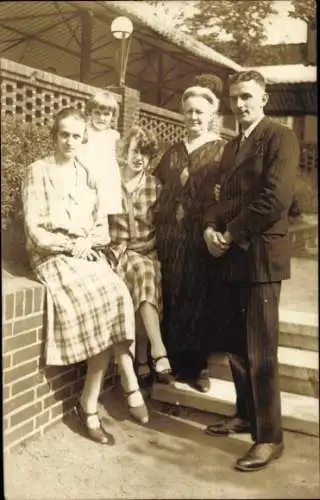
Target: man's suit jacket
[{"x": 257, "y": 187}]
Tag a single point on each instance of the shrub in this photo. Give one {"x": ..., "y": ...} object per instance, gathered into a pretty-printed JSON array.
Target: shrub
[
  {"x": 306, "y": 191},
  {"x": 22, "y": 144}
]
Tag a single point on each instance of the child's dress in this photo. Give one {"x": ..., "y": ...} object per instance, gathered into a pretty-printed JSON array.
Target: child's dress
[
  {"x": 132, "y": 247},
  {"x": 99, "y": 156}
]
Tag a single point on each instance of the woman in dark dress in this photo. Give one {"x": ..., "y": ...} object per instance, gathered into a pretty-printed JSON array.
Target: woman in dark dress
[{"x": 186, "y": 170}]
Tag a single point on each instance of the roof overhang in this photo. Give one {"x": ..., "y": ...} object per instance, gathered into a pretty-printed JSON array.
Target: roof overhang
[
  {"x": 292, "y": 89},
  {"x": 73, "y": 39},
  {"x": 288, "y": 73}
]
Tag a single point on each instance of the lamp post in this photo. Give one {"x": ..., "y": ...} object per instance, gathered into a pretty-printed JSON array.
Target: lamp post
[{"x": 121, "y": 29}]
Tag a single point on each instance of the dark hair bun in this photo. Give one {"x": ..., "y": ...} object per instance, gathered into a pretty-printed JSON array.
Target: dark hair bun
[{"x": 212, "y": 82}]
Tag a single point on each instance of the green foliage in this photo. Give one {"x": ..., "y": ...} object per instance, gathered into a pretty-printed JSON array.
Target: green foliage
[
  {"x": 236, "y": 28},
  {"x": 172, "y": 11},
  {"x": 241, "y": 21},
  {"x": 304, "y": 9},
  {"x": 21, "y": 144},
  {"x": 307, "y": 191},
  {"x": 265, "y": 55}
]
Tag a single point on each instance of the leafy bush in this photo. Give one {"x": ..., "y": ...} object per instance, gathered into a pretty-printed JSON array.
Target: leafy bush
[
  {"x": 21, "y": 144},
  {"x": 306, "y": 191}
]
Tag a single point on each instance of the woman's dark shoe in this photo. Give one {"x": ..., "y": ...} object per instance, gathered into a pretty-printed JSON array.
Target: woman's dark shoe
[
  {"x": 144, "y": 375},
  {"x": 139, "y": 413},
  {"x": 96, "y": 434},
  {"x": 227, "y": 427},
  {"x": 202, "y": 383},
  {"x": 163, "y": 376}
]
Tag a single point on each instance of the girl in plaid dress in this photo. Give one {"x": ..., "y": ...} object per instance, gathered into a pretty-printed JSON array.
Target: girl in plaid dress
[
  {"x": 132, "y": 251},
  {"x": 89, "y": 307}
]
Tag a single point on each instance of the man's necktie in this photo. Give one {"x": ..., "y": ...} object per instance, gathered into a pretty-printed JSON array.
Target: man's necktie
[{"x": 240, "y": 140}]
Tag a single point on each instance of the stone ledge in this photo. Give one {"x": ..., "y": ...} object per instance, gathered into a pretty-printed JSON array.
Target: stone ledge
[
  {"x": 298, "y": 322},
  {"x": 299, "y": 413},
  {"x": 298, "y": 370},
  {"x": 35, "y": 396},
  {"x": 17, "y": 278}
]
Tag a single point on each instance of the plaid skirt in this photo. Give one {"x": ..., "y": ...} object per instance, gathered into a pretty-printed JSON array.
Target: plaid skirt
[
  {"x": 89, "y": 309},
  {"x": 142, "y": 275}
]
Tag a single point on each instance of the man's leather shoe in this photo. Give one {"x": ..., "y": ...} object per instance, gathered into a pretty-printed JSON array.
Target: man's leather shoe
[
  {"x": 259, "y": 456},
  {"x": 234, "y": 425}
]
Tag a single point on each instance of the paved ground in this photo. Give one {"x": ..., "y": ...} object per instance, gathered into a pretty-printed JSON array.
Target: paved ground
[
  {"x": 170, "y": 458},
  {"x": 300, "y": 293}
]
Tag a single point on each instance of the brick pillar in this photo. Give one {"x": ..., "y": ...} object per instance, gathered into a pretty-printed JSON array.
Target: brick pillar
[{"x": 129, "y": 108}]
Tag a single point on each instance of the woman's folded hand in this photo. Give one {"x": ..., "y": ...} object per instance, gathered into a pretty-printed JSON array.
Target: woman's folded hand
[
  {"x": 82, "y": 249},
  {"x": 92, "y": 255}
]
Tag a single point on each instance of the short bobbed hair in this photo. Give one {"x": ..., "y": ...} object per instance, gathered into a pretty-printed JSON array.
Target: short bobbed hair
[
  {"x": 146, "y": 142},
  {"x": 102, "y": 98}
]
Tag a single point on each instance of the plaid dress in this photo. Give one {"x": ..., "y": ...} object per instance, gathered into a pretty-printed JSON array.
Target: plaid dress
[
  {"x": 88, "y": 306},
  {"x": 132, "y": 248}
]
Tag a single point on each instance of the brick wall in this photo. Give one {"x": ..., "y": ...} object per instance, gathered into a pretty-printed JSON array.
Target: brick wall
[
  {"x": 128, "y": 108},
  {"x": 35, "y": 396}
]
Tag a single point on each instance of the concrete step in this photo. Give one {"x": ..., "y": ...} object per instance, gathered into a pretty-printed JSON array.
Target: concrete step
[
  {"x": 299, "y": 413},
  {"x": 299, "y": 370},
  {"x": 304, "y": 239},
  {"x": 299, "y": 329}
]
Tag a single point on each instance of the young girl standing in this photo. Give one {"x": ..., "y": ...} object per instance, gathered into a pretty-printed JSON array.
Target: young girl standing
[
  {"x": 99, "y": 152},
  {"x": 132, "y": 251}
]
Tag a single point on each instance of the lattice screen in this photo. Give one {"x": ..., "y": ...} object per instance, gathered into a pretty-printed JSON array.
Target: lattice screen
[
  {"x": 165, "y": 129},
  {"x": 36, "y": 104},
  {"x": 36, "y": 96},
  {"x": 308, "y": 156}
]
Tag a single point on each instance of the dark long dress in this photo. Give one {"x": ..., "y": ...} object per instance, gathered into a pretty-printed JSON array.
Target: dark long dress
[{"x": 189, "y": 308}]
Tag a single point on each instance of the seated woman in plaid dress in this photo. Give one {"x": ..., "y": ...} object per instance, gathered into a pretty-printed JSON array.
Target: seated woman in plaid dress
[
  {"x": 133, "y": 253},
  {"x": 90, "y": 309}
]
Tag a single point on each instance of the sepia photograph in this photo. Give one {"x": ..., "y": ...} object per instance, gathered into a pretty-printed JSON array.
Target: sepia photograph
[{"x": 159, "y": 206}]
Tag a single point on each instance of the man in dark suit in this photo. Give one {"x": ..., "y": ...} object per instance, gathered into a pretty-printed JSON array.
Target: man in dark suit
[{"x": 246, "y": 232}]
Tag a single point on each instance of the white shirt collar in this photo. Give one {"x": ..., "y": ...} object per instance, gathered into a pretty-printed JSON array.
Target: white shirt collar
[{"x": 251, "y": 128}]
